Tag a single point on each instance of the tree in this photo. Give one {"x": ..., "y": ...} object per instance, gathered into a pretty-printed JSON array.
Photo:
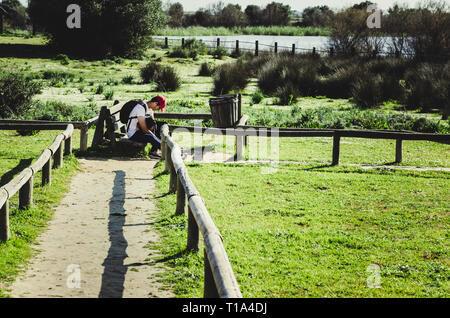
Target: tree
[
  {"x": 349, "y": 31},
  {"x": 276, "y": 13},
  {"x": 253, "y": 13},
  {"x": 318, "y": 16},
  {"x": 362, "y": 5},
  {"x": 16, "y": 15},
  {"x": 112, "y": 28},
  {"x": 176, "y": 14},
  {"x": 231, "y": 16},
  {"x": 203, "y": 18}
]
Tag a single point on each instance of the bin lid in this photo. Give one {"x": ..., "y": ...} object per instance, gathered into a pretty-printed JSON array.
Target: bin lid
[{"x": 224, "y": 98}]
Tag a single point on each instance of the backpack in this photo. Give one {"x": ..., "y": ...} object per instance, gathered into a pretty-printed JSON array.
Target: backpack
[{"x": 128, "y": 107}]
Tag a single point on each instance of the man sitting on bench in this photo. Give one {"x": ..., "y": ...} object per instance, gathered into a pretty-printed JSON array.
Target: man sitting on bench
[{"x": 142, "y": 126}]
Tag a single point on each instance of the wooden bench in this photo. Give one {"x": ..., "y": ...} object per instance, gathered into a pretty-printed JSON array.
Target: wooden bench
[{"x": 115, "y": 134}]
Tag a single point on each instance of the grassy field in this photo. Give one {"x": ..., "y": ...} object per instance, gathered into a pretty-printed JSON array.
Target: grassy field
[
  {"x": 314, "y": 231},
  {"x": 17, "y": 153},
  {"x": 309, "y": 230}
]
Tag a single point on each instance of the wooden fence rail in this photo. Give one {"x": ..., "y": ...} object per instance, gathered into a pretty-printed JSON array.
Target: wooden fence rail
[
  {"x": 23, "y": 183},
  {"x": 219, "y": 279},
  {"x": 83, "y": 126},
  {"x": 243, "y": 131}
]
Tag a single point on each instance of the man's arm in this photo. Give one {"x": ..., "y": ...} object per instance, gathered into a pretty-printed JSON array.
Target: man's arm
[{"x": 143, "y": 125}]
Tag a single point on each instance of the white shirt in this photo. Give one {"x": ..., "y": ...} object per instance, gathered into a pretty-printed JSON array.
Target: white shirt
[{"x": 137, "y": 111}]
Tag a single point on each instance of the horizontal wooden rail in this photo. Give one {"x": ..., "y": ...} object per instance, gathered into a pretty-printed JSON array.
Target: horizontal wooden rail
[
  {"x": 23, "y": 182},
  {"x": 242, "y": 131},
  {"x": 51, "y": 125},
  {"x": 219, "y": 277}
]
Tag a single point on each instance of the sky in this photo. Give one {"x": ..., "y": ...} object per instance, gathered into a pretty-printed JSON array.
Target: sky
[{"x": 299, "y": 5}]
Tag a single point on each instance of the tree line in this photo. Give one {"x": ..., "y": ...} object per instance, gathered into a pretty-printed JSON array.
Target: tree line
[{"x": 124, "y": 27}]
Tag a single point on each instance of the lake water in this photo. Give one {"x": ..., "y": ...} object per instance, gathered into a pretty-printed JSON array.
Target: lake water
[{"x": 265, "y": 42}]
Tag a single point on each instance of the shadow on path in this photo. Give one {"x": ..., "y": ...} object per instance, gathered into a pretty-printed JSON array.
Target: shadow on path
[{"x": 113, "y": 277}]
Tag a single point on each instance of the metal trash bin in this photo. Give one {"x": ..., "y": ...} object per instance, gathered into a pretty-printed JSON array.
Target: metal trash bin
[{"x": 225, "y": 110}]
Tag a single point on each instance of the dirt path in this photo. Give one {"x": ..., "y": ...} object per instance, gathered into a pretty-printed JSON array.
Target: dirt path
[{"x": 95, "y": 244}]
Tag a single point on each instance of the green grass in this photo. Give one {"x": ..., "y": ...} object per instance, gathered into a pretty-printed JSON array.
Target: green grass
[
  {"x": 248, "y": 30},
  {"x": 312, "y": 231},
  {"x": 17, "y": 153}
]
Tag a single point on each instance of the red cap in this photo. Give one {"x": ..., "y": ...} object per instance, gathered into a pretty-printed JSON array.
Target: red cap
[{"x": 161, "y": 102}]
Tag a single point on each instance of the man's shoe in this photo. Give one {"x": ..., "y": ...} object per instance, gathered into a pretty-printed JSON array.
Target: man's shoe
[{"x": 154, "y": 155}]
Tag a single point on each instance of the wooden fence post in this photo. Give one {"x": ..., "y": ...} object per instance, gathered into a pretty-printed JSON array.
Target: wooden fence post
[
  {"x": 26, "y": 195},
  {"x": 167, "y": 156},
  {"x": 68, "y": 146},
  {"x": 181, "y": 197},
  {"x": 47, "y": 172},
  {"x": 99, "y": 129},
  {"x": 293, "y": 49},
  {"x": 218, "y": 42},
  {"x": 240, "y": 147},
  {"x": 256, "y": 48},
  {"x": 193, "y": 232},
  {"x": 4, "y": 221},
  {"x": 210, "y": 289},
  {"x": 237, "y": 47},
  {"x": 276, "y": 47},
  {"x": 398, "y": 150},
  {"x": 166, "y": 43},
  {"x": 84, "y": 138},
  {"x": 336, "y": 148},
  {"x": 58, "y": 157},
  {"x": 163, "y": 148},
  {"x": 173, "y": 173}
]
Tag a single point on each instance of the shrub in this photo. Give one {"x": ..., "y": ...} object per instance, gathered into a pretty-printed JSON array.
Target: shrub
[
  {"x": 368, "y": 92},
  {"x": 353, "y": 118},
  {"x": 16, "y": 93},
  {"x": 109, "y": 94},
  {"x": 149, "y": 72},
  {"x": 219, "y": 52},
  {"x": 63, "y": 58},
  {"x": 58, "y": 75},
  {"x": 100, "y": 89},
  {"x": 230, "y": 77},
  {"x": 428, "y": 88},
  {"x": 192, "y": 48},
  {"x": 127, "y": 79},
  {"x": 339, "y": 84},
  {"x": 167, "y": 79},
  {"x": 257, "y": 97},
  {"x": 206, "y": 69},
  {"x": 59, "y": 111}
]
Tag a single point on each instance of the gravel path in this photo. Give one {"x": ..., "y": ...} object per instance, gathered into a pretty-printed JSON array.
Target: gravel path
[{"x": 95, "y": 245}]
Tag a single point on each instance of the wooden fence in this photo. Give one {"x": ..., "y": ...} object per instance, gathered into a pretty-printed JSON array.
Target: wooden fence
[
  {"x": 219, "y": 279},
  {"x": 23, "y": 183},
  {"x": 236, "y": 47},
  {"x": 83, "y": 126},
  {"x": 242, "y": 131}
]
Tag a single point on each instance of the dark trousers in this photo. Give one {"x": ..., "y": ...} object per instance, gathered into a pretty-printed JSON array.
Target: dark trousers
[{"x": 140, "y": 136}]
